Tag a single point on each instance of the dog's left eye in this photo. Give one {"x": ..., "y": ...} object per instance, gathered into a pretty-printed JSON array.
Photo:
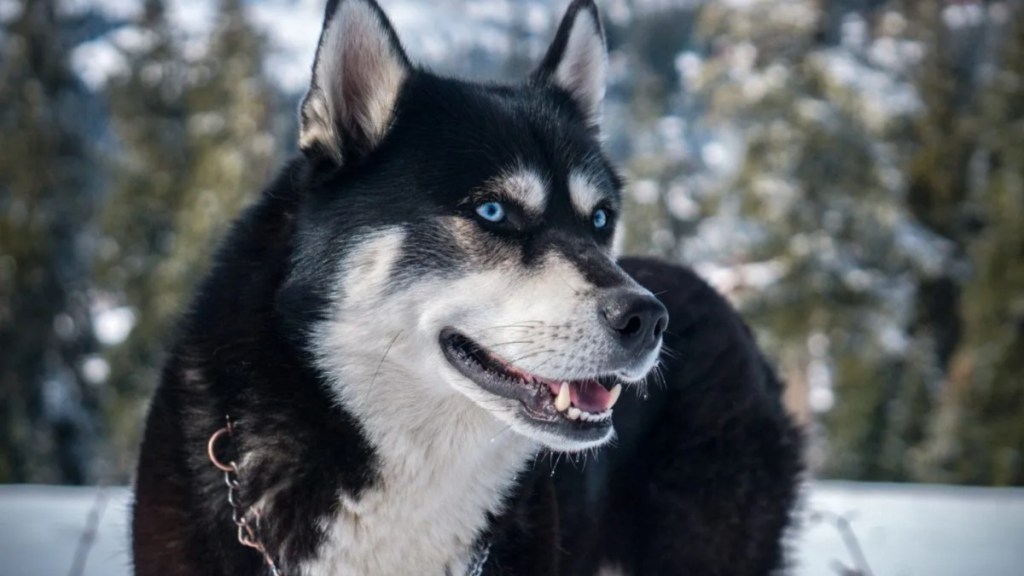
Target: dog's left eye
[
  {"x": 491, "y": 211},
  {"x": 600, "y": 218}
]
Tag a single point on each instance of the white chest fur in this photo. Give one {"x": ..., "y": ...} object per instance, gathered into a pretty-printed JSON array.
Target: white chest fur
[
  {"x": 444, "y": 462},
  {"x": 430, "y": 503}
]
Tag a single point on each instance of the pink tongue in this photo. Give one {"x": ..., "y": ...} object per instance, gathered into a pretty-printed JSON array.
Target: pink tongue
[{"x": 589, "y": 396}]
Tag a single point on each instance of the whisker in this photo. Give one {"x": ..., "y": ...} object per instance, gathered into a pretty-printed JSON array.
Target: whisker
[
  {"x": 521, "y": 325},
  {"x": 383, "y": 358},
  {"x": 543, "y": 364},
  {"x": 511, "y": 343},
  {"x": 658, "y": 374},
  {"x": 555, "y": 461},
  {"x": 668, "y": 351},
  {"x": 500, "y": 432},
  {"x": 527, "y": 355},
  {"x": 566, "y": 282}
]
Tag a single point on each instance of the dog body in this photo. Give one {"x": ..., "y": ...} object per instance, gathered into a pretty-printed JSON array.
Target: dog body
[{"x": 420, "y": 313}]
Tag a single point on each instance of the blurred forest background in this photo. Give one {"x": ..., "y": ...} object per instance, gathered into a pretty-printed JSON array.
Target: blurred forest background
[{"x": 849, "y": 172}]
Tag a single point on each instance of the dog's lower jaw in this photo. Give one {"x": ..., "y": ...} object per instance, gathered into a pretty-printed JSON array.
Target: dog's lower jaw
[
  {"x": 514, "y": 422},
  {"x": 557, "y": 443},
  {"x": 441, "y": 472}
]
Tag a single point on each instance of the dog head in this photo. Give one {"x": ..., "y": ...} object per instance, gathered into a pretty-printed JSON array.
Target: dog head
[{"x": 458, "y": 236}]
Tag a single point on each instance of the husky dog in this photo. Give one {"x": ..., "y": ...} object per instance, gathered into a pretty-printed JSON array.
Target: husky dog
[{"x": 432, "y": 363}]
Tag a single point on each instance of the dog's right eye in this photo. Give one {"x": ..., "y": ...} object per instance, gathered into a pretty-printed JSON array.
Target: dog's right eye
[{"x": 491, "y": 211}]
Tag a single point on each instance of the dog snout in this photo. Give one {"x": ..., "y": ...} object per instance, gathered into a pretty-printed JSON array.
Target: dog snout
[{"x": 636, "y": 319}]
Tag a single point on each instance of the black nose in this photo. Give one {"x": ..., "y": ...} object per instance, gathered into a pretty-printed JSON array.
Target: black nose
[{"x": 637, "y": 318}]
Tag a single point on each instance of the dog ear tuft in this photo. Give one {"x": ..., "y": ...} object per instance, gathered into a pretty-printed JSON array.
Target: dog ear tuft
[
  {"x": 358, "y": 73},
  {"x": 577, "y": 61}
]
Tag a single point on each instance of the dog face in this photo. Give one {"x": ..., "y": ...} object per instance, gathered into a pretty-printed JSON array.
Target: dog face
[{"x": 458, "y": 237}]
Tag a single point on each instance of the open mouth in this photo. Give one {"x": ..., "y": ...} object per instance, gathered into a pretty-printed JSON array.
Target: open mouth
[{"x": 580, "y": 408}]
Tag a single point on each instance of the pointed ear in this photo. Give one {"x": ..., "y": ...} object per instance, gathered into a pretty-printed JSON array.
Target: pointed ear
[
  {"x": 577, "y": 61},
  {"x": 357, "y": 76}
]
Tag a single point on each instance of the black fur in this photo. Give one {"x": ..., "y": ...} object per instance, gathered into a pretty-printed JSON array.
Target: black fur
[
  {"x": 235, "y": 356},
  {"x": 701, "y": 480}
]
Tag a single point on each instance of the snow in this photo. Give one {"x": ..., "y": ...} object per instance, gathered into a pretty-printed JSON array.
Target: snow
[
  {"x": 854, "y": 30},
  {"x": 294, "y": 30},
  {"x": 882, "y": 96},
  {"x": 97, "y": 61},
  {"x": 961, "y": 15},
  {"x": 433, "y": 33},
  {"x": 95, "y": 369},
  {"x": 926, "y": 250},
  {"x": 915, "y": 530},
  {"x": 9, "y": 10},
  {"x": 715, "y": 155},
  {"x": 645, "y": 191},
  {"x": 903, "y": 529},
  {"x": 40, "y": 527},
  {"x": 680, "y": 203},
  {"x": 112, "y": 9},
  {"x": 690, "y": 67},
  {"x": 744, "y": 276},
  {"x": 194, "y": 20},
  {"x": 442, "y": 34},
  {"x": 820, "y": 396},
  {"x": 112, "y": 326}
]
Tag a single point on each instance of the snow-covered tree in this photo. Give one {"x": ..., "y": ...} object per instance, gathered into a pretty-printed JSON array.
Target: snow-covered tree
[
  {"x": 778, "y": 161},
  {"x": 978, "y": 434},
  {"x": 194, "y": 147},
  {"x": 149, "y": 186},
  {"x": 47, "y": 192},
  {"x": 229, "y": 134}
]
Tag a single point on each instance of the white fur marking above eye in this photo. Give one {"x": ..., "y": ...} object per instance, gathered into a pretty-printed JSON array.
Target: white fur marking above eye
[
  {"x": 584, "y": 194},
  {"x": 522, "y": 186},
  {"x": 582, "y": 70}
]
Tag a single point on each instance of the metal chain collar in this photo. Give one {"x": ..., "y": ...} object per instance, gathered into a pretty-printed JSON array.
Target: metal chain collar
[
  {"x": 248, "y": 533},
  {"x": 477, "y": 569}
]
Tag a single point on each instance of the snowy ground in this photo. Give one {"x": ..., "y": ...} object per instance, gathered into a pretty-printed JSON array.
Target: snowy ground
[
  {"x": 915, "y": 530},
  {"x": 904, "y": 530}
]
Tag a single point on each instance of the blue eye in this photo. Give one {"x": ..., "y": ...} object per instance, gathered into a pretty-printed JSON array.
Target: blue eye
[
  {"x": 491, "y": 211},
  {"x": 600, "y": 218}
]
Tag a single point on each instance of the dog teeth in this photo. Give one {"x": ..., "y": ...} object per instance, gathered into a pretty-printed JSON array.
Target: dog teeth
[
  {"x": 563, "y": 403},
  {"x": 562, "y": 400},
  {"x": 591, "y": 417},
  {"x": 616, "y": 391}
]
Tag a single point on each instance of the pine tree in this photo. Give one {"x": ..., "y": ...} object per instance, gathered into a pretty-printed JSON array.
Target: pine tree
[
  {"x": 231, "y": 135},
  {"x": 937, "y": 172},
  {"x": 150, "y": 170},
  {"x": 46, "y": 195},
  {"x": 809, "y": 227},
  {"x": 196, "y": 146},
  {"x": 979, "y": 432}
]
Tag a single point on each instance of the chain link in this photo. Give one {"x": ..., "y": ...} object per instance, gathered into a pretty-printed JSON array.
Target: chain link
[
  {"x": 477, "y": 569},
  {"x": 248, "y": 533}
]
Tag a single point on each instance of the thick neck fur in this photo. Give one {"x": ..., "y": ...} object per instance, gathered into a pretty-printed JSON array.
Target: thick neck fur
[
  {"x": 444, "y": 466},
  {"x": 396, "y": 477},
  {"x": 443, "y": 462}
]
